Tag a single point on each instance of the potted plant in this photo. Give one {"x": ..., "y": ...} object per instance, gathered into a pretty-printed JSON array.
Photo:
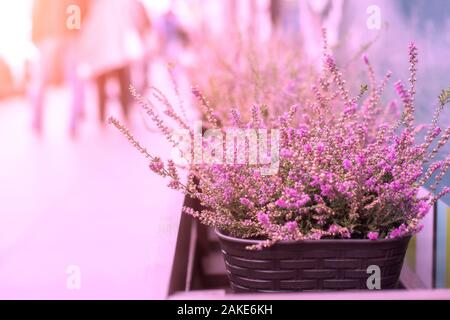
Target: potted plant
[{"x": 310, "y": 202}]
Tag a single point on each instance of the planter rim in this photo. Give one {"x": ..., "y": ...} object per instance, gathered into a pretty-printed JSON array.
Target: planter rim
[{"x": 330, "y": 241}]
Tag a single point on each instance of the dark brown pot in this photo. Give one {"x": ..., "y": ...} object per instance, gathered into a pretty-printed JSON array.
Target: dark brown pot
[{"x": 312, "y": 265}]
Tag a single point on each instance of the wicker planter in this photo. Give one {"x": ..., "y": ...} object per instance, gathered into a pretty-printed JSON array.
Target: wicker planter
[{"x": 311, "y": 265}]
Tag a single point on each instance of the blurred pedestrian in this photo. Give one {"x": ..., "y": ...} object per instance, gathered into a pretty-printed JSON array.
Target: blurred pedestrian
[
  {"x": 315, "y": 15},
  {"x": 54, "y": 39},
  {"x": 110, "y": 43},
  {"x": 144, "y": 27}
]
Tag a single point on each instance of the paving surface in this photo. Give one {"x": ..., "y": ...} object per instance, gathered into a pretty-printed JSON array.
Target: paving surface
[{"x": 89, "y": 203}]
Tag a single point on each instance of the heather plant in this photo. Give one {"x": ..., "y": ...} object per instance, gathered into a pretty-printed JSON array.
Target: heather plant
[
  {"x": 241, "y": 71},
  {"x": 343, "y": 173},
  {"x": 269, "y": 74}
]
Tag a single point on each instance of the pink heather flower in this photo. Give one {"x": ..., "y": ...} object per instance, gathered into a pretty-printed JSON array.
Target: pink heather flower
[
  {"x": 330, "y": 61},
  {"x": 436, "y": 132},
  {"x": 291, "y": 192},
  {"x": 320, "y": 147},
  {"x": 350, "y": 109},
  {"x": 256, "y": 174},
  {"x": 401, "y": 90},
  {"x": 327, "y": 190},
  {"x": 372, "y": 235},
  {"x": 246, "y": 202},
  {"x": 263, "y": 219},
  {"x": 307, "y": 148},
  {"x": 381, "y": 164},
  {"x": 366, "y": 59},
  {"x": 345, "y": 233},
  {"x": 281, "y": 203},
  {"x": 318, "y": 198},
  {"x": 156, "y": 165},
  {"x": 286, "y": 153},
  {"x": 304, "y": 199},
  {"x": 361, "y": 160},
  {"x": 342, "y": 187},
  {"x": 423, "y": 208},
  {"x": 302, "y": 131},
  {"x": 329, "y": 176},
  {"x": 174, "y": 184},
  {"x": 399, "y": 232},
  {"x": 395, "y": 186},
  {"x": 371, "y": 182},
  {"x": 338, "y": 230},
  {"x": 333, "y": 229},
  {"x": 316, "y": 235},
  {"x": 347, "y": 164},
  {"x": 291, "y": 226}
]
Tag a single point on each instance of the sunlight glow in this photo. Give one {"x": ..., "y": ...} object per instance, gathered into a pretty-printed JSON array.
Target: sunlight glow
[{"x": 15, "y": 31}]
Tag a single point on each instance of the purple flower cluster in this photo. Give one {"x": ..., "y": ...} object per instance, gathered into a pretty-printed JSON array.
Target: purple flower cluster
[{"x": 342, "y": 174}]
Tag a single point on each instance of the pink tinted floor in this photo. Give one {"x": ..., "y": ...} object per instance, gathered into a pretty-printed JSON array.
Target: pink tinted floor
[{"x": 91, "y": 203}]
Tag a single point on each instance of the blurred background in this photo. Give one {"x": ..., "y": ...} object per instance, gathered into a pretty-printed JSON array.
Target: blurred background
[{"x": 75, "y": 196}]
